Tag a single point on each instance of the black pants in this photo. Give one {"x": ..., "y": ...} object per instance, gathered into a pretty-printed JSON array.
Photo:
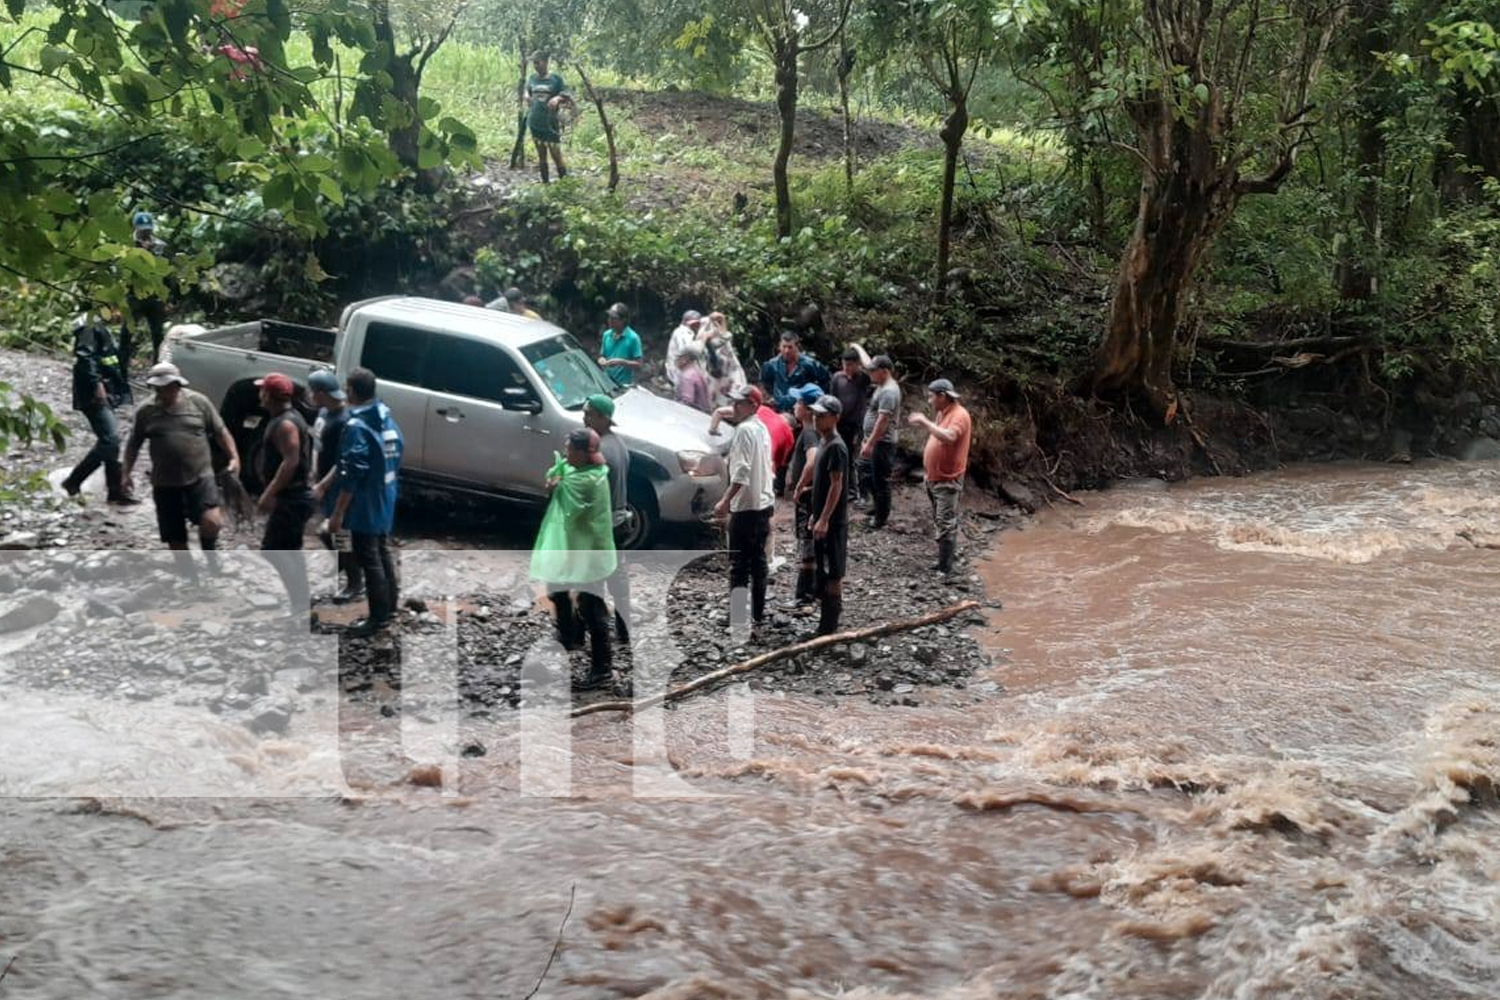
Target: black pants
[
  {"x": 748, "y": 532},
  {"x": 882, "y": 460},
  {"x": 106, "y": 448},
  {"x": 382, "y": 583},
  {"x": 580, "y": 613},
  {"x": 154, "y": 312},
  {"x": 282, "y": 544},
  {"x": 850, "y": 434},
  {"x": 348, "y": 565},
  {"x": 618, "y": 585}
]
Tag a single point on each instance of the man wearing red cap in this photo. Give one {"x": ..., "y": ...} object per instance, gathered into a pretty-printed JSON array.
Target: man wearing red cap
[
  {"x": 748, "y": 505},
  {"x": 284, "y": 464}
]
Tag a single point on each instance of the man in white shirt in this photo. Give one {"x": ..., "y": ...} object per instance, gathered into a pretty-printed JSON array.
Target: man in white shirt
[
  {"x": 748, "y": 504},
  {"x": 685, "y": 334}
]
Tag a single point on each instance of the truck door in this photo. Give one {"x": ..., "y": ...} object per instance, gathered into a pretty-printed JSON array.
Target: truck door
[
  {"x": 485, "y": 425},
  {"x": 397, "y": 354}
]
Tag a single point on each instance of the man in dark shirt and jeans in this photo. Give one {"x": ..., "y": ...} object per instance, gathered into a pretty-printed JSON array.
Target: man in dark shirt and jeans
[
  {"x": 327, "y": 433},
  {"x": 830, "y": 510},
  {"x": 800, "y": 475},
  {"x": 851, "y": 384}
]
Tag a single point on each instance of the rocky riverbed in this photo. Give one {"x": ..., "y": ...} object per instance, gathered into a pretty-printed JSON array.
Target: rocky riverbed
[{"x": 89, "y": 604}]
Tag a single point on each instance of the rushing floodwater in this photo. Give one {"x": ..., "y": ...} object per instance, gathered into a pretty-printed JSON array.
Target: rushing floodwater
[{"x": 1247, "y": 748}]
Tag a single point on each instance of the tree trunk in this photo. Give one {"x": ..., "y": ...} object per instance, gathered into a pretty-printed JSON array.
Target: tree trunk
[
  {"x": 609, "y": 129},
  {"x": 846, "y": 66},
  {"x": 785, "y": 56},
  {"x": 405, "y": 140},
  {"x": 518, "y": 151},
  {"x": 1176, "y": 220},
  {"x": 1357, "y": 260},
  {"x": 952, "y": 135}
]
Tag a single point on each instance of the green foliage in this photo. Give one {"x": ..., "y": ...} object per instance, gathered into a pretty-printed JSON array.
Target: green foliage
[{"x": 24, "y": 420}]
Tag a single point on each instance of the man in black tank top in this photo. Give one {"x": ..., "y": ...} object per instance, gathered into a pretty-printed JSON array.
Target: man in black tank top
[{"x": 285, "y": 465}]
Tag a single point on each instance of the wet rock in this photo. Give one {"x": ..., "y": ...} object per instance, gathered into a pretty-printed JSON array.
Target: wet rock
[
  {"x": 859, "y": 654},
  {"x": 269, "y": 718},
  {"x": 416, "y": 604},
  {"x": 213, "y": 675},
  {"x": 20, "y": 540},
  {"x": 1018, "y": 494},
  {"x": 97, "y": 608},
  {"x": 474, "y": 750},
  {"x": 885, "y": 682},
  {"x": 903, "y": 689},
  {"x": 28, "y": 613},
  {"x": 302, "y": 679},
  {"x": 1480, "y": 449},
  {"x": 263, "y": 601}
]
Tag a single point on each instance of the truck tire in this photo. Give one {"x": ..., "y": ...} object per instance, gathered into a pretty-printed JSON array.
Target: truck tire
[
  {"x": 243, "y": 415},
  {"x": 640, "y": 498}
]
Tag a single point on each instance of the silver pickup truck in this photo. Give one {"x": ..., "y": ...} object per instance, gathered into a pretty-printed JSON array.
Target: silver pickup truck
[{"x": 483, "y": 398}]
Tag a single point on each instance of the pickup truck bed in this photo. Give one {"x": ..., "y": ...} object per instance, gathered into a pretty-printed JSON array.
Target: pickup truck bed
[{"x": 269, "y": 336}]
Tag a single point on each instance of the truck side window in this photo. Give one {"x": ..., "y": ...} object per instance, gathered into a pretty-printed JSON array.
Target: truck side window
[
  {"x": 395, "y": 353},
  {"x": 471, "y": 368}
]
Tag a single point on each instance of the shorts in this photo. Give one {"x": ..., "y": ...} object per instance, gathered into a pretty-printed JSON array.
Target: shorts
[
  {"x": 831, "y": 554},
  {"x": 178, "y": 506}
]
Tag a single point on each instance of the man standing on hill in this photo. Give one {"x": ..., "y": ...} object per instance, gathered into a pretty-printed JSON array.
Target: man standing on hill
[
  {"x": 945, "y": 459},
  {"x": 879, "y": 448},
  {"x": 851, "y": 384},
  {"x": 620, "y": 347},
  {"x": 328, "y": 432},
  {"x": 546, "y": 92},
  {"x": 748, "y": 505}
]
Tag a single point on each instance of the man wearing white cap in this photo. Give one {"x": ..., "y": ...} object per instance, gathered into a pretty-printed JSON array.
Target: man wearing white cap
[
  {"x": 685, "y": 334},
  {"x": 945, "y": 459},
  {"x": 181, "y": 424}
]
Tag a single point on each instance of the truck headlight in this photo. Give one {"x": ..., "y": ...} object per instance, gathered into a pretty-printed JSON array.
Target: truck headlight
[{"x": 700, "y": 463}]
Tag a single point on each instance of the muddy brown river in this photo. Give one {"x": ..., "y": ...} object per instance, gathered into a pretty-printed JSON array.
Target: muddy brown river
[{"x": 1245, "y": 747}]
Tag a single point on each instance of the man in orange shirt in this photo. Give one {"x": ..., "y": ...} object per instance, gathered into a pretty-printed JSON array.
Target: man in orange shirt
[{"x": 945, "y": 459}]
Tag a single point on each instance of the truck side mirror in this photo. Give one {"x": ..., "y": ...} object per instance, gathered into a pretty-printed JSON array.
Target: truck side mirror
[{"x": 519, "y": 399}]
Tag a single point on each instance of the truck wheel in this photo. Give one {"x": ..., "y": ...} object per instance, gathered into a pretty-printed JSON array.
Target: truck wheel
[
  {"x": 244, "y": 418},
  {"x": 640, "y": 498}
]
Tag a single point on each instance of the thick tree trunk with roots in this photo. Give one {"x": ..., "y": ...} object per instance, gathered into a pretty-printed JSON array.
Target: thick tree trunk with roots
[
  {"x": 785, "y": 54},
  {"x": 952, "y": 135}
]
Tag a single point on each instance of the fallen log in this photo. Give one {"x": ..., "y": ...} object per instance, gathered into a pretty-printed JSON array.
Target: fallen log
[{"x": 776, "y": 655}]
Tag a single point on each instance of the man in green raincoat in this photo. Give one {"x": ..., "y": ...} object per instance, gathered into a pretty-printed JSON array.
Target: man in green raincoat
[{"x": 575, "y": 550}]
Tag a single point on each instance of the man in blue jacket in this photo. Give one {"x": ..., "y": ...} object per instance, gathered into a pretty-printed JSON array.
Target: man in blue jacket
[{"x": 369, "y": 460}]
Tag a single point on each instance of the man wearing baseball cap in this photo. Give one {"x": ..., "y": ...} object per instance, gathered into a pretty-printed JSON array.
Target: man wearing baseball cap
[
  {"x": 599, "y": 417},
  {"x": 181, "y": 424},
  {"x": 830, "y": 507},
  {"x": 882, "y": 418},
  {"x": 285, "y": 466},
  {"x": 748, "y": 505},
  {"x": 945, "y": 459},
  {"x": 327, "y": 435}
]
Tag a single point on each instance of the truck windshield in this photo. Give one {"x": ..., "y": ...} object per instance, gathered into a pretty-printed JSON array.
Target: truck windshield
[{"x": 568, "y": 372}]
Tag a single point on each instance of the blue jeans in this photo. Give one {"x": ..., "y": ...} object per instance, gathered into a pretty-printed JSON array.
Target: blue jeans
[{"x": 106, "y": 449}]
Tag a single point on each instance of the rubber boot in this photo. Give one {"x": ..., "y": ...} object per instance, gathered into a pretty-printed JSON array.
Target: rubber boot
[
  {"x": 114, "y": 481},
  {"x": 80, "y": 472},
  {"x": 828, "y": 618},
  {"x": 945, "y": 559}
]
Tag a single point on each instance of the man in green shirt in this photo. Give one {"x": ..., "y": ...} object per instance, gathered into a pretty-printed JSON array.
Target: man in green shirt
[
  {"x": 546, "y": 92},
  {"x": 620, "y": 347}
]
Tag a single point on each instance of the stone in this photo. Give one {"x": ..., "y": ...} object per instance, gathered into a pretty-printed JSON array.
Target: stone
[
  {"x": 885, "y": 682},
  {"x": 215, "y": 630},
  {"x": 269, "y": 719},
  {"x": 903, "y": 689},
  {"x": 416, "y": 604},
  {"x": 28, "y": 613},
  {"x": 263, "y": 602},
  {"x": 303, "y": 679},
  {"x": 1018, "y": 494},
  {"x": 474, "y": 750},
  {"x": 19, "y": 540},
  {"x": 1480, "y": 449},
  {"x": 925, "y": 654},
  {"x": 213, "y": 675},
  {"x": 97, "y": 608},
  {"x": 859, "y": 654}
]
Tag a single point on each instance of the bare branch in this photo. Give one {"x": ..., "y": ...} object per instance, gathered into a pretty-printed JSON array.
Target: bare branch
[
  {"x": 75, "y": 157},
  {"x": 844, "y": 9}
]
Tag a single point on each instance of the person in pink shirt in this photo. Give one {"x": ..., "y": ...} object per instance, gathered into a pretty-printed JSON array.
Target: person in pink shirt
[{"x": 692, "y": 383}]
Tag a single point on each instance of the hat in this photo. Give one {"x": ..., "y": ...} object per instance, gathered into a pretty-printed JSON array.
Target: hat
[
  {"x": 809, "y": 393},
  {"x": 165, "y": 373},
  {"x": 278, "y": 385},
  {"x": 691, "y": 316},
  {"x": 587, "y": 441},
  {"x": 143, "y": 220},
  {"x": 327, "y": 383},
  {"x": 829, "y": 404},
  {"x": 618, "y": 310},
  {"x": 602, "y": 405},
  {"x": 943, "y": 386},
  {"x": 882, "y": 361},
  {"x": 742, "y": 393}
]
